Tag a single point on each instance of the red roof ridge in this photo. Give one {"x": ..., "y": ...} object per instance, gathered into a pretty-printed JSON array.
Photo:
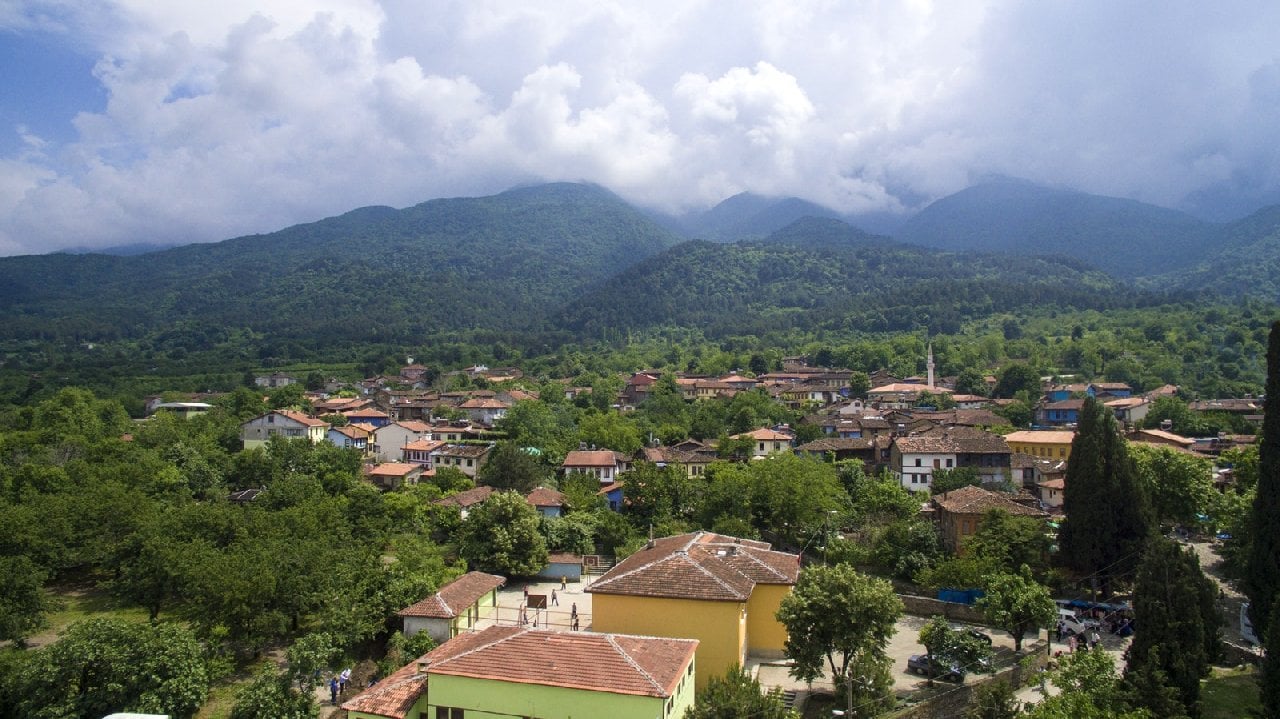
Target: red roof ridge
[
  {"x": 634, "y": 664},
  {"x": 711, "y": 574}
]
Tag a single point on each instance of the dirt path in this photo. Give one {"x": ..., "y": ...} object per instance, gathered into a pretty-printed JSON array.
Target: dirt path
[{"x": 1229, "y": 598}]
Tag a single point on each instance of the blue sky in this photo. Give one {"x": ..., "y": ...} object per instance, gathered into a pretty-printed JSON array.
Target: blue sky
[{"x": 126, "y": 121}]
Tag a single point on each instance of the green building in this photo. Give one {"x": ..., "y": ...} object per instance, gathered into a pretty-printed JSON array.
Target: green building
[{"x": 510, "y": 671}]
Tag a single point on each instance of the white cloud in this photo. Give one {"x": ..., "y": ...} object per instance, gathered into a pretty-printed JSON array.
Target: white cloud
[{"x": 234, "y": 117}]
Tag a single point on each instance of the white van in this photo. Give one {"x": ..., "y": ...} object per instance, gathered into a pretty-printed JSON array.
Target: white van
[{"x": 1073, "y": 623}]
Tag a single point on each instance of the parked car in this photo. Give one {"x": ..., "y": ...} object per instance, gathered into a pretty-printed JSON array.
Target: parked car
[{"x": 921, "y": 664}]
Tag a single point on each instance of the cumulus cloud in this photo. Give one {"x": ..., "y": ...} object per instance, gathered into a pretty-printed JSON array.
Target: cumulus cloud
[{"x": 227, "y": 118}]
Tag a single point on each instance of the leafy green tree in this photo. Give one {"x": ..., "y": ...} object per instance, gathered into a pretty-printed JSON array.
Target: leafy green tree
[
  {"x": 859, "y": 383},
  {"x": 1017, "y": 412},
  {"x": 836, "y": 619},
  {"x": 656, "y": 494},
  {"x": 945, "y": 480},
  {"x": 102, "y": 666},
  {"x": 971, "y": 381},
  {"x": 951, "y": 647},
  {"x": 582, "y": 492},
  {"x": 1108, "y": 514},
  {"x": 1017, "y": 377},
  {"x": 1269, "y": 677},
  {"x": 1012, "y": 542},
  {"x": 1088, "y": 688},
  {"x": 1262, "y": 575},
  {"x": 510, "y": 467},
  {"x": 1017, "y": 604},
  {"x": 310, "y": 656},
  {"x": 609, "y": 430},
  {"x": 272, "y": 696},
  {"x": 23, "y": 603},
  {"x": 1175, "y": 605},
  {"x": 738, "y": 694},
  {"x": 1180, "y": 485},
  {"x": 501, "y": 536},
  {"x": 993, "y": 700}
]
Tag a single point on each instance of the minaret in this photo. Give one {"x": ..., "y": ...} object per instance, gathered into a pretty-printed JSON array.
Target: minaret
[{"x": 929, "y": 364}]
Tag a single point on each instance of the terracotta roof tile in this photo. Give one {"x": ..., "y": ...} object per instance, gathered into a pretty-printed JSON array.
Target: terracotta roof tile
[
  {"x": 976, "y": 500},
  {"x": 467, "y": 497},
  {"x": 764, "y": 434},
  {"x": 455, "y": 596},
  {"x": 961, "y": 440},
  {"x": 301, "y": 418},
  {"x": 1042, "y": 436},
  {"x": 392, "y": 697},
  {"x": 393, "y": 469},
  {"x": 544, "y": 497},
  {"x": 591, "y": 458},
  {"x": 701, "y": 565},
  {"x": 614, "y": 663}
]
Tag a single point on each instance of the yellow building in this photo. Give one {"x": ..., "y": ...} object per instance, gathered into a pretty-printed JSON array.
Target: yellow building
[
  {"x": 1042, "y": 444},
  {"x": 723, "y": 591}
]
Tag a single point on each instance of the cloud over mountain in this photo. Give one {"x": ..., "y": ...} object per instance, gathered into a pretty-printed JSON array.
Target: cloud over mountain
[{"x": 224, "y": 118}]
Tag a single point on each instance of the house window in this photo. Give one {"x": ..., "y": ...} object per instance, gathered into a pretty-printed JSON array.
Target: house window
[
  {"x": 918, "y": 462},
  {"x": 468, "y": 463},
  {"x": 937, "y": 463},
  {"x": 949, "y": 462},
  {"x": 762, "y": 446},
  {"x": 1062, "y": 451},
  {"x": 450, "y": 713}
]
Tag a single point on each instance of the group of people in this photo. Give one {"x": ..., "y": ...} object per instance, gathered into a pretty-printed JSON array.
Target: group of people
[{"x": 338, "y": 684}]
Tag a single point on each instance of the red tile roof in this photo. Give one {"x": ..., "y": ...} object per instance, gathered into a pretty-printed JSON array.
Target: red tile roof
[
  {"x": 301, "y": 418},
  {"x": 466, "y": 498},
  {"x": 591, "y": 458},
  {"x": 960, "y": 440},
  {"x": 700, "y": 565},
  {"x": 613, "y": 663},
  {"x": 1041, "y": 436},
  {"x": 543, "y": 497},
  {"x": 976, "y": 500},
  {"x": 764, "y": 434},
  {"x": 455, "y": 596},
  {"x": 393, "y": 469},
  {"x": 393, "y": 697}
]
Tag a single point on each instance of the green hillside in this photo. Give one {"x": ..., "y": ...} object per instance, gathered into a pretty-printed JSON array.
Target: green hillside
[
  {"x": 824, "y": 274},
  {"x": 1127, "y": 238},
  {"x": 1243, "y": 259},
  {"x": 373, "y": 274}
]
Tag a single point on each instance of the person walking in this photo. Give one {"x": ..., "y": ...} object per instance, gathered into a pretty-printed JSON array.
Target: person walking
[
  {"x": 564, "y": 581},
  {"x": 554, "y": 601},
  {"x": 333, "y": 690}
]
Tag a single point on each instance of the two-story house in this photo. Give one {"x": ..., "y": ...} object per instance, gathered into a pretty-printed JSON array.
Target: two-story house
[
  {"x": 603, "y": 464},
  {"x": 914, "y": 458},
  {"x": 765, "y": 441},
  {"x": 389, "y": 440},
  {"x": 285, "y": 423}
]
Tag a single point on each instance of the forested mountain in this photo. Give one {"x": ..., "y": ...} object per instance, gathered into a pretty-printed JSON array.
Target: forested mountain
[
  {"x": 823, "y": 274},
  {"x": 1242, "y": 259},
  {"x": 1128, "y": 238},
  {"x": 748, "y": 217},
  {"x": 374, "y": 273}
]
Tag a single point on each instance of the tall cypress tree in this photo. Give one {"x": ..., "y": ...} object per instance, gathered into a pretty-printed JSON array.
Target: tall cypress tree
[
  {"x": 1108, "y": 515},
  {"x": 1178, "y": 638},
  {"x": 1262, "y": 574}
]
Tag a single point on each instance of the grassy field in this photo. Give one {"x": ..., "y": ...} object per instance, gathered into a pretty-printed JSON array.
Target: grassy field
[
  {"x": 1230, "y": 694},
  {"x": 79, "y": 602}
]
